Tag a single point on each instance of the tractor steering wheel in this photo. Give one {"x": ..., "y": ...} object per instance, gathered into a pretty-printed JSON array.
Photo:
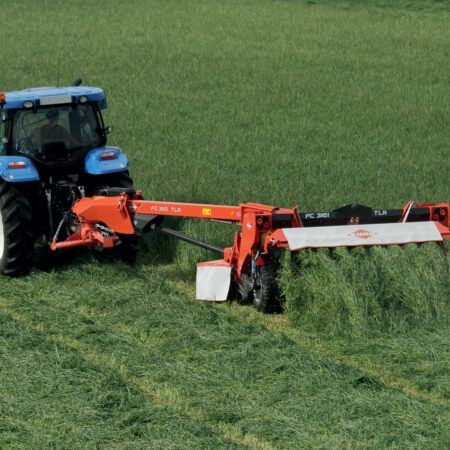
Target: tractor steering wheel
[{"x": 25, "y": 146}]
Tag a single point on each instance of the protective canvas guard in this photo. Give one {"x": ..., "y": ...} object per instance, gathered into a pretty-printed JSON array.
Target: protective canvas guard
[
  {"x": 358, "y": 235},
  {"x": 213, "y": 280}
]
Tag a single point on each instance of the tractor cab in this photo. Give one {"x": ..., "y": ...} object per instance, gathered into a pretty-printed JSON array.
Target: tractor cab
[
  {"x": 53, "y": 126},
  {"x": 57, "y": 134}
]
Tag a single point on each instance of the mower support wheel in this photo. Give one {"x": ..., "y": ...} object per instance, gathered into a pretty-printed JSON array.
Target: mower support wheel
[
  {"x": 265, "y": 289},
  {"x": 16, "y": 231},
  {"x": 241, "y": 291}
]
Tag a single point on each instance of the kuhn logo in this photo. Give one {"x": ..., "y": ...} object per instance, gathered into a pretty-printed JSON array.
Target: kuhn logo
[{"x": 363, "y": 234}]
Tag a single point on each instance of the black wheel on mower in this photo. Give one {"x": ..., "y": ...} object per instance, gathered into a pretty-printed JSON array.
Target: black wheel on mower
[
  {"x": 265, "y": 289},
  {"x": 241, "y": 291},
  {"x": 129, "y": 243},
  {"x": 16, "y": 231}
]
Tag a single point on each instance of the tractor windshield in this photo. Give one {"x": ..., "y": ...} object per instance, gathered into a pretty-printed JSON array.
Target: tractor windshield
[{"x": 56, "y": 134}]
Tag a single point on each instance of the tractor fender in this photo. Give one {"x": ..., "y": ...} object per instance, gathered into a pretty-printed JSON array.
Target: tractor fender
[
  {"x": 95, "y": 164},
  {"x": 24, "y": 171}
]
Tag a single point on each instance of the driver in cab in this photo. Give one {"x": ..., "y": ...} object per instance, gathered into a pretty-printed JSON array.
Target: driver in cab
[{"x": 52, "y": 132}]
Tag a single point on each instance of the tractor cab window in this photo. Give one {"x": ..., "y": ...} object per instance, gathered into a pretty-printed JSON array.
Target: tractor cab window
[{"x": 57, "y": 134}]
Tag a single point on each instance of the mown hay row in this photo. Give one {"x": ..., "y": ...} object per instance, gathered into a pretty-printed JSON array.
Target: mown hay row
[{"x": 367, "y": 290}]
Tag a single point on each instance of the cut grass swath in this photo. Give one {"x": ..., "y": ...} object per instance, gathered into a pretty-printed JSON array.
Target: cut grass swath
[{"x": 367, "y": 291}]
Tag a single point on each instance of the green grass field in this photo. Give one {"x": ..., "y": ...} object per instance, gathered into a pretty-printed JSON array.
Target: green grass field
[{"x": 316, "y": 103}]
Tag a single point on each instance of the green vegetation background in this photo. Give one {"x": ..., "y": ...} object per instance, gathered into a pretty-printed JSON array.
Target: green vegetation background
[{"x": 318, "y": 103}]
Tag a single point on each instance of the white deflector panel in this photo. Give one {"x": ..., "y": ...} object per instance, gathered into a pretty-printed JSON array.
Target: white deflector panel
[
  {"x": 213, "y": 281},
  {"x": 356, "y": 235}
]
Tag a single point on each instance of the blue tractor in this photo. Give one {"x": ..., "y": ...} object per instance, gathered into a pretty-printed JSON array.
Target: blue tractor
[{"x": 53, "y": 152}]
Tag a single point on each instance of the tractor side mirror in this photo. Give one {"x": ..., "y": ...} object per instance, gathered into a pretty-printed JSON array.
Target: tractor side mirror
[{"x": 108, "y": 129}]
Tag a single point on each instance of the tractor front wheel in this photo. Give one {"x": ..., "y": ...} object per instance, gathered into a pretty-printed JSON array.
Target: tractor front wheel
[
  {"x": 16, "y": 231},
  {"x": 265, "y": 289}
]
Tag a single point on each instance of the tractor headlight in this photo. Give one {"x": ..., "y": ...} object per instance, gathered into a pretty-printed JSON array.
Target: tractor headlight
[
  {"x": 28, "y": 104},
  {"x": 82, "y": 99}
]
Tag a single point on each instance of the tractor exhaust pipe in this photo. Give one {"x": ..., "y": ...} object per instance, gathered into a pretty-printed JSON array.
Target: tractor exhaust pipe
[{"x": 189, "y": 239}]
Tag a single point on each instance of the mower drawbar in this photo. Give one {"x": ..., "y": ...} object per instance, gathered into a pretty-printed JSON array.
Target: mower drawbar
[{"x": 247, "y": 268}]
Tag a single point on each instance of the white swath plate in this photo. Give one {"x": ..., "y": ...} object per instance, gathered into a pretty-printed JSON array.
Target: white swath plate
[{"x": 357, "y": 235}]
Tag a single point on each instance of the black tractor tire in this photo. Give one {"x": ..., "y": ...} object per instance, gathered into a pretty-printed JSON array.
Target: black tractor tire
[
  {"x": 16, "y": 231},
  {"x": 97, "y": 183},
  {"x": 266, "y": 293},
  {"x": 129, "y": 243}
]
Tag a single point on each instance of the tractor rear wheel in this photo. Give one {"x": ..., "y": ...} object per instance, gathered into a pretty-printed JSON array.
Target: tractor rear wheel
[
  {"x": 129, "y": 243},
  {"x": 265, "y": 289},
  {"x": 16, "y": 231}
]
